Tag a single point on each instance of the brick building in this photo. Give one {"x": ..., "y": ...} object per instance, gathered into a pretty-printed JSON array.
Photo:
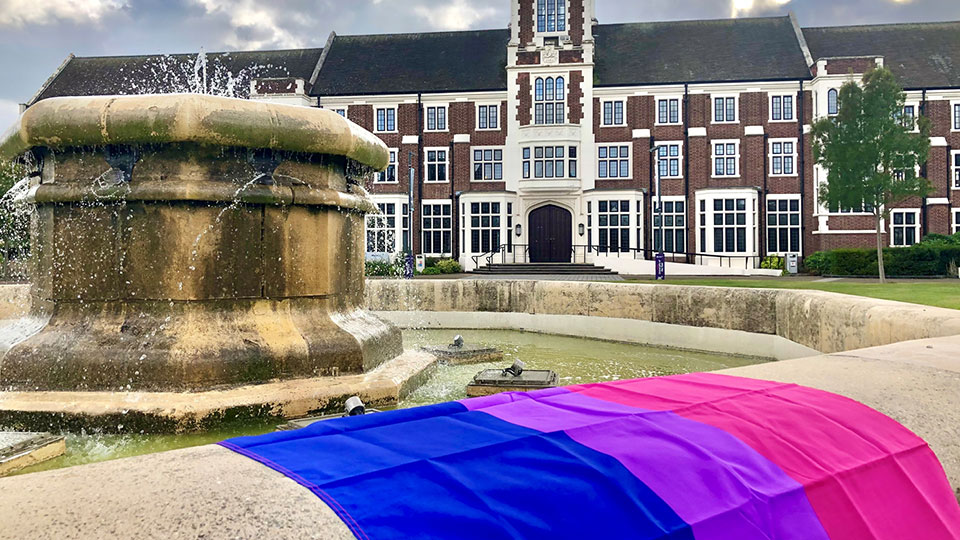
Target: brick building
[{"x": 545, "y": 141}]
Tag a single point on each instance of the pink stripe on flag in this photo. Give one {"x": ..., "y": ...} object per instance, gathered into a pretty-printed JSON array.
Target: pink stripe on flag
[{"x": 866, "y": 475}]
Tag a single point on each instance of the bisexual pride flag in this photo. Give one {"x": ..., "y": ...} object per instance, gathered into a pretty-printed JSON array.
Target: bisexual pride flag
[{"x": 700, "y": 456}]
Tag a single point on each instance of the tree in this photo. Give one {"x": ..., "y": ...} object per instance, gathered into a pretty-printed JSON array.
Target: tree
[{"x": 871, "y": 152}]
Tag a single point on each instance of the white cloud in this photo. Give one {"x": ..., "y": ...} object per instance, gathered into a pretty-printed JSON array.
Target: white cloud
[
  {"x": 745, "y": 8},
  {"x": 455, "y": 15},
  {"x": 25, "y": 12},
  {"x": 256, "y": 24}
]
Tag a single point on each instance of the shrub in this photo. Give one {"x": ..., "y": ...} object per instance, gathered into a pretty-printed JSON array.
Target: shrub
[
  {"x": 772, "y": 263},
  {"x": 934, "y": 258},
  {"x": 448, "y": 266},
  {"x": 431, "y": 271},
  {"x": 384, "y": 269},
  {"x": 942, "y": 240},
  {"x": 817, "y": 263}
]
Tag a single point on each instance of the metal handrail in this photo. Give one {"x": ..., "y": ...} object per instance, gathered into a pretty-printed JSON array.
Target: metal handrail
[
  {"x": 691, "y": 257},
  {"x": 502, "y": 250}
]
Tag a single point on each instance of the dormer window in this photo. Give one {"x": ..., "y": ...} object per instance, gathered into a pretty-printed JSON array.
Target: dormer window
[
  {"x": 549, "y": 101},
  {"x": 551, "y": 15}
]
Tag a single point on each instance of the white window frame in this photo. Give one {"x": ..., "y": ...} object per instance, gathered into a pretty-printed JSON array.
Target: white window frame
[
  {"x": 630, "y": 213},
  {"x": 955, "y": 223},
  {"x": 386, "y": 116},
  {"x": 562, "y": 100},
  {"x": 436, "y": 108},
  {"x": 793, "y": 108},
  {"x": 529, "y": 159},
  {"x": 342, "y": 111},
  {"x": 916, "y": 114},
  {"x": 705, "y": 226},
  {"x": 725, "y": 97},
  {"x": 799, "y": 226},
  {"x": 427, "y": 163},
  {"x": 954, "y": 170},
  {"x": 503, "y": 233},
  {"x": 668, "y": 99},
  {"x": 498, "y": 105},
  {"x": 441, "y": 229},
  {"x": 613, "y": 113},
  {"x": 714, "y": 156},
  {"x": 674, "y": 228},
  {"x": 394, "y": 154},
  {"x": 401, "y": 223},
  {"x": 554, "y": 32},
  {"x": 893, "y": 226},
  {"x": 657, "y": 159},
  {"x": 619, "y": 159},
  {"x": 828, "y": 111},
  {"x": 493, "y": 163},
  {"x": 771, "y": 156}
]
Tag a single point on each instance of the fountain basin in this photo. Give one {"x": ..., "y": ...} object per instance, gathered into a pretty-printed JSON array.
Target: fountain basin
[{"x": 188, "y": 243}]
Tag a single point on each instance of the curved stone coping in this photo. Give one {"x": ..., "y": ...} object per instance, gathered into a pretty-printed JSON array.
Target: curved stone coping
[
  {"x": 823, "y": 321},
  {"x": 153, "y": 190},
  {"x": 177, "y": 118},
  {"x": 716, "y": 340},
  {"x": 159, "y": 412},
  {"x": 917, "y": 383},
  {"x": 202, "y": 492}
]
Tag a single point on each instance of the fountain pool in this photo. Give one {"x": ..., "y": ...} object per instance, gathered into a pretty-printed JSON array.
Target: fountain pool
[{"x": 576, "y": 360}]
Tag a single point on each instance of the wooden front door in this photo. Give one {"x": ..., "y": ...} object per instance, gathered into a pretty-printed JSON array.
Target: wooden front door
[{"x": 551, "y": 235}]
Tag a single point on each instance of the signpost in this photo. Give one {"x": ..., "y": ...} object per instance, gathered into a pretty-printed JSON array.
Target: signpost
[{"x": 660, "y": 258}]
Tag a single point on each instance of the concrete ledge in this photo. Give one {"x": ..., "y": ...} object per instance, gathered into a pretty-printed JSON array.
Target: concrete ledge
[
  {"x": 202, "y": 492},
  {"x": 916, "y": 383},
  {"x": 822, "y": 321},
  {"x": 614, "y": 329},
  {"x": 157, "y": 412}
]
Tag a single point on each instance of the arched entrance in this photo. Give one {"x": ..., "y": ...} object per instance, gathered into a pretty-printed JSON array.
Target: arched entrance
[{"x": 551, "y": 234}]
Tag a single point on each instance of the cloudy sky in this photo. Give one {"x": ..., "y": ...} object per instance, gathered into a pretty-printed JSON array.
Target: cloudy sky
[{"x": 36, "y": 35}]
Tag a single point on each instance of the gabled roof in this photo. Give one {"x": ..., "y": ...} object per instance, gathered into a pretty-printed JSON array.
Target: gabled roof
[
  {"x": 754, "y": 49},
  {"x": 411, "y": 63},
  {"x": 922, "y": 55},
  {"x": 227, "y": 73}
]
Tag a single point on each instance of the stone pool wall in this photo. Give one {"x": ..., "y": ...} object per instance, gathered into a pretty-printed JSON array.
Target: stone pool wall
[{"x": 822, "y": 321}]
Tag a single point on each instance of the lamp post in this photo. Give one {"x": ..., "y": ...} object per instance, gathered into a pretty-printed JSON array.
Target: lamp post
[
  {"x": 408, "y": 267},
  {"x": 660, "y": 258}
]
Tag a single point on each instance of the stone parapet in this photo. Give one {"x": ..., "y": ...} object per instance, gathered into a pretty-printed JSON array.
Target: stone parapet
[{"x": 823, "y": 321}]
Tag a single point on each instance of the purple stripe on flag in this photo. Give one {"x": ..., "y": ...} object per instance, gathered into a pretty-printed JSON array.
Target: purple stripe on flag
[{"x": 715, "y": 482}]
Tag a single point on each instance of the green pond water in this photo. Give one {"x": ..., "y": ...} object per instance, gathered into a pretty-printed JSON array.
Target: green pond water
[{"x": 576, "y": 360}]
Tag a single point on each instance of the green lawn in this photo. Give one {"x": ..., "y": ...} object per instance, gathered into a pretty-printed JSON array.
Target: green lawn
[{"x": 940, "y": 293}]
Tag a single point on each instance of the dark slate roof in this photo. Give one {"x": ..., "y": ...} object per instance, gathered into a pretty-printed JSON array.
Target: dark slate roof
[
  {"x": 411, "y": 63},
  {"x": 753, "y": 49},
  {"x": 922, "y": 55},
  {"x": 228, "y": 73}
]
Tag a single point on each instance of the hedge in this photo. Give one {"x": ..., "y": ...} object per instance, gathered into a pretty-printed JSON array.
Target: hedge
[{"x": 932, "y": 259}]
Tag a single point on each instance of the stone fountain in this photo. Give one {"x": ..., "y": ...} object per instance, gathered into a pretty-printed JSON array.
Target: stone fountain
[{"x": 188, "y": 243}]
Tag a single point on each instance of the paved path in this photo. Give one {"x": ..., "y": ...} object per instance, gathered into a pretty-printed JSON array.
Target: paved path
[{"x": 547, "y": 277}]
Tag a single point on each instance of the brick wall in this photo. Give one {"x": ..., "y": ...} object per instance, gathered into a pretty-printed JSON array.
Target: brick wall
[
  {"x": 571, "y": 57},
  {"x": 528, "y": 58},
  {"x": 526, "y": 22},
  {"x": 574, "y": 97},
  {"x": 842, "y": 66},
  {"x": 576, "y": 22},
  {"x": 524, "y": 99}
]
